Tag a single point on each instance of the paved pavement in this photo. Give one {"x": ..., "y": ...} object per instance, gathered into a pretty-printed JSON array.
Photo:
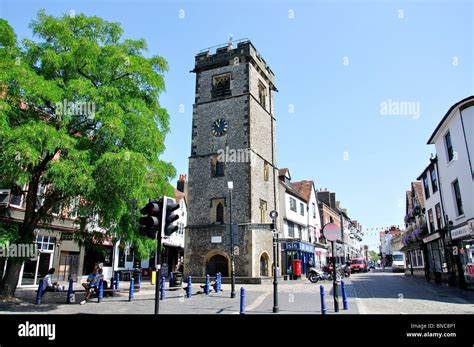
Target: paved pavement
[
  {"x": 380, "y": 292},
  {"x": 373, "y": 292}
]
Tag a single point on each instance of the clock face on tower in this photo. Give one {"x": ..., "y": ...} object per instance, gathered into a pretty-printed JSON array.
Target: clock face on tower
[{"x": 219, "y": 127}]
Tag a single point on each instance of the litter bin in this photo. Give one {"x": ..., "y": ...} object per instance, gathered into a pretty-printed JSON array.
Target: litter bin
[
  {"x": 177, "y": 279},
  {"x": 136, "y": 279}
]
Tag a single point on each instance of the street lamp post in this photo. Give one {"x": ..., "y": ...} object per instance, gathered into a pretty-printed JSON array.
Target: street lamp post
[
  {"x": 230, "y": 185},
  {"x": 273, "y": 216}
]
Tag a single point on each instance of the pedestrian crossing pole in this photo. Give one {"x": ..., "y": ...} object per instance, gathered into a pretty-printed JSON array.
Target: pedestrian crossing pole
[
  {"x": 332, "y": 232},
  {"x": 334, "y": 281}
]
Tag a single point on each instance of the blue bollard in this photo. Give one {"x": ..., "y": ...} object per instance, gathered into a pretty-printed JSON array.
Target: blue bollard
[
  {"x": 69, "y": 291},
  {"x": 323, "y": 304},
  {"x": 117, "y": 280},
  {"x": 39, "y": 294},
  {"x": 242, "y": 300},
  {"x": 171, "y": 279},
  {"x": 207, "y": 286},
  {"x": 344, "y": 296},
  {"x": 101, "y": 291},
  {"x": 218, "y": 282},
  {"x": 189, "y": 289},
  {"x": 131, "y": 290},
  {"x": 163, "y": 288},
  {"x": 216, "y": 288}
]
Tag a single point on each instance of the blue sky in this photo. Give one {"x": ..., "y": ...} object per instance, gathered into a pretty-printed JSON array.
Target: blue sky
[{"x": 336, "y": 62}]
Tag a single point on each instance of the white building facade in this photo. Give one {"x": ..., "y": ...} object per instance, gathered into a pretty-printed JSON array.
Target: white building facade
[
  {"x": 294, "y": 225},
  {"x": 454, "y": 142}
]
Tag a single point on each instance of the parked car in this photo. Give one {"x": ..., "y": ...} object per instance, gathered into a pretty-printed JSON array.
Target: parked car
[
  {"x": 358, "y": 265},
  {"x": 398, "y": 261},
  {"x": 371, "y": 264}
]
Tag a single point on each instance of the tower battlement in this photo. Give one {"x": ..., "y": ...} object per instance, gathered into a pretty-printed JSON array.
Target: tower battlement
[{"x": 225, "y": 55}]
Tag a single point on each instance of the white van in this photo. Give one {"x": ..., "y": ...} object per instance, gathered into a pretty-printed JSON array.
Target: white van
[{"x": 398, "y": 261}]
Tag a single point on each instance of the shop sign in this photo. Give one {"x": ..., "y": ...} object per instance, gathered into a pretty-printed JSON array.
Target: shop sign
[
  {"x": 291, "y": 246},
  {"x": 431, "y": 237},
  {"x": 66, "y": 236},
  {"x": 460, "y": 232},
  {"x": 296, "y": 246}
]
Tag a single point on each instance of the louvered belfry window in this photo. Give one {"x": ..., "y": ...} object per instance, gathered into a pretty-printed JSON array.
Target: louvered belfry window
[{"x": 221, "y": 86}]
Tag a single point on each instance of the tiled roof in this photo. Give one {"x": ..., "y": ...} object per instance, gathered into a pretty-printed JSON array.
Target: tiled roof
[
  {"x": 304, "y": 188},
  {"x": 291, "y": 190},
  {"x": 409, "y": 200}
]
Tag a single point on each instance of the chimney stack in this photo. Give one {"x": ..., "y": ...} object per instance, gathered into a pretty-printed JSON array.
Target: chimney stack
[{"x": 182, "y": 184}]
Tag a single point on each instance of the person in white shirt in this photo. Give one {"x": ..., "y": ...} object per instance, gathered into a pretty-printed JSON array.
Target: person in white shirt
[{"x": 48, "y": 284}]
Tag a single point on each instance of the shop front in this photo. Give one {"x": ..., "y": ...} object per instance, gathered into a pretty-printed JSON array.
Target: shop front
[
  {"x": 99, "y": 255},
  {"x": 415, "y": 259},
  {"x": 55, "y": 249},
  {"x": 437, "y": 269},
  {"x": 463, "y": 249},
  {"x": 321, "y": 253},
  {"x": 297, "y": 250},
  {"x": 69, "y": 258},
  {"x": 33, "y": 270}
]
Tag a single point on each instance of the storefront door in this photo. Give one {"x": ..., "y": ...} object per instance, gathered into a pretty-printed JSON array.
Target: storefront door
[
  {"x": 466, "y": 255},
  {"x": 68, "y": 265}
]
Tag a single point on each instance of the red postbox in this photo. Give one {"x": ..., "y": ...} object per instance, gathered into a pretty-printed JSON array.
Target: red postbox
[{"x": 297, "y": 267}]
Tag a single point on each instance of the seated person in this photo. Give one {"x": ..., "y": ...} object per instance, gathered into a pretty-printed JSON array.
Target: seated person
[
  {"x": 92, "y": 284},
  {"x": 100, "y": 275},
  {"x": 48, "y": 284}
]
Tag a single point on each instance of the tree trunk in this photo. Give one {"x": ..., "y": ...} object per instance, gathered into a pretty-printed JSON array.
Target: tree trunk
[
  {"x": 26, "y": 235},
  {"x": 10, "y": 280}
]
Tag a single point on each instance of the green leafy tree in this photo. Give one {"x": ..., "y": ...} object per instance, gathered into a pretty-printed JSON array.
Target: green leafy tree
[
  {"x": 374, "y": 256},
  {"x": 79, "y": 114}
]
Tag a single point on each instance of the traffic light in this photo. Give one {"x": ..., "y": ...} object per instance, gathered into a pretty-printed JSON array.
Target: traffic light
[
  {"x": 169, "y": 217},
  {"x": 151, "y": 223},
  {"x": 159, "y": 217}
]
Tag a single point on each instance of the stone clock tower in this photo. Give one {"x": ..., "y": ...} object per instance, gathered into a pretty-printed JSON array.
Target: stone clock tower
[{"x": 233, "y": 139}]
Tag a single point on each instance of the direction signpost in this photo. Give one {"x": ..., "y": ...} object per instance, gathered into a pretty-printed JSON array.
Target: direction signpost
[{"x": 332, "y": 232}]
